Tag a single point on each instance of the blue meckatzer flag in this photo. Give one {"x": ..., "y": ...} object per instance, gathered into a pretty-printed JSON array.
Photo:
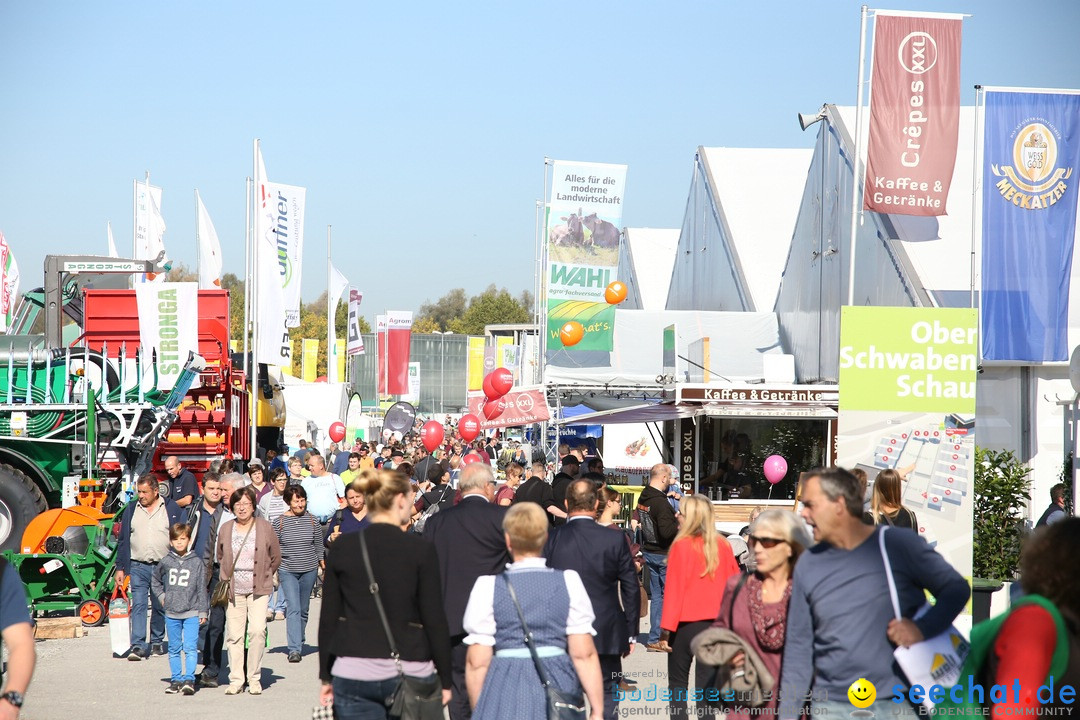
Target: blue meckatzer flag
[{"x": 1031, "y": 150}]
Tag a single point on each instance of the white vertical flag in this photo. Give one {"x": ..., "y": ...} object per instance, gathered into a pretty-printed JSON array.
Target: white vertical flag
[
  {"x": 9, "y": 285},
  {"x": 274, "y": 346},
  {"x": 210, "y": 262},
  {"x": 355, "y": 344},
  {"x": 113, "y": 252},
  {"x": 149, "y": 227},
  {"x": 336, "y": 285}
]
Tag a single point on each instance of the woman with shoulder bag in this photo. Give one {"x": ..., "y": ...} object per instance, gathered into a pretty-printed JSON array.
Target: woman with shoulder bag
[
  {"x": 755, "y": 606},
  {"x": 402, "y": 594},
  {"x": 250, "y": 556},
  {"x": 301, "y": 539},
  {"x": 503, "y": 673}
]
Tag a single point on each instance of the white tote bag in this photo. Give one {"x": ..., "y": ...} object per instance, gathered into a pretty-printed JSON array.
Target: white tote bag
[
  {"x": 934, "y": 661},
  {"x": 119, "y": 622}
]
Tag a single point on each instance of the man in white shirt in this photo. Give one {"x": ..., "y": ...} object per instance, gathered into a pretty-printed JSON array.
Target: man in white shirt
[{"x": 325, "y": 491}]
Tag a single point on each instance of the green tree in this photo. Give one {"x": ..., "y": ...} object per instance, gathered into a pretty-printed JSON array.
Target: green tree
[
  {"x": 235, "y": 286},
  {"x": 424, "y": 325},
  {"x": 444, "y": 311},
  {"x": 491, "y": 307},
  {"x": 181, "y": 273},
  {"x": 1002, "y": 487},
  {"x": 313, "y": 325}
]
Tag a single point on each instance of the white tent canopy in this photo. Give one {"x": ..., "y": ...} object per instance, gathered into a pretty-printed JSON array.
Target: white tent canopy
[{"x": 310, "y": 405}]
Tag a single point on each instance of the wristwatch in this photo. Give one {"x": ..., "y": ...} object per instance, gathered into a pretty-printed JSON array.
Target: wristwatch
[{"x": 15, "y": 698}]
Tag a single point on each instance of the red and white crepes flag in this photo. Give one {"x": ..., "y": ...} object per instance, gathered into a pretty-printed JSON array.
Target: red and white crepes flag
[
  {"x": 914, "y": 113},
  {"x": 523, "y": 406}
]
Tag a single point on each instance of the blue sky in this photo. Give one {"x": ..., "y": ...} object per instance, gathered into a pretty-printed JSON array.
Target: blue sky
[{"x": 420, "y": 129}]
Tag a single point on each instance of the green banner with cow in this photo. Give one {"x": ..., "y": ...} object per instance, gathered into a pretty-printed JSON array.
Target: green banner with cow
[{"x": 583, "y": 222}]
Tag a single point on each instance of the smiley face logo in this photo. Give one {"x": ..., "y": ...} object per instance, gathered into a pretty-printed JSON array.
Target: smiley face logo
[{"x": 862, "y": 693}]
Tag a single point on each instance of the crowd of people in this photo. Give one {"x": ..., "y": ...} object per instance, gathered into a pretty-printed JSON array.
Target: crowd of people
[{"x": 432, "y": 570}]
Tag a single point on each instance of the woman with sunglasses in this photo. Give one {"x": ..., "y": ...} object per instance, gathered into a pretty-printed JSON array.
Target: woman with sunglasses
[
  {"x": 758, "y": 605},
  {"x": 699, "y": 565}
]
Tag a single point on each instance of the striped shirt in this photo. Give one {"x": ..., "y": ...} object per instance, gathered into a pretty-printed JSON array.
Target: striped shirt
[{"x": 301, "y": 542}]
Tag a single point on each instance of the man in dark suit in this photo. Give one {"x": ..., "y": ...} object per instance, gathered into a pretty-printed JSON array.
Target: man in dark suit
[
  {"x": 567, "y": 474},
  {"x": 601, "y": 556},
  {"x": 469, "y": 541}
]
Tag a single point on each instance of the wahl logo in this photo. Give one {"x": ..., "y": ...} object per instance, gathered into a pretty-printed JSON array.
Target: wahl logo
[{"x": 1033, "y": 181}]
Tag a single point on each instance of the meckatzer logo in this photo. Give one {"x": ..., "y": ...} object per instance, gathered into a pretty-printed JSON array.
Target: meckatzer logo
[
  {"x": 918, "y": 53},
  {"x": 1033, "y": 182}
]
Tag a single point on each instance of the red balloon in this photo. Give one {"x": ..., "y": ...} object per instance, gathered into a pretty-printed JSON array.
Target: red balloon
[
  {"x": 502, "y": 380},
  {"x": 337, "y": 432},
  {"x": 471, "y": 458},
  {"x": 493, "y": 409},
  {"x": 432, "y": 434},
  {"x": 468, "y": 427},
  {"x": 489, "y": 390}
]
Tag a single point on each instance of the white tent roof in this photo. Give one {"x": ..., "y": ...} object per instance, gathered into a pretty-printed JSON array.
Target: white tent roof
[
  {"x": 759, "y": 192},
  {"x": 739, "y": 339},
  {"x": 646, "y": 259}
]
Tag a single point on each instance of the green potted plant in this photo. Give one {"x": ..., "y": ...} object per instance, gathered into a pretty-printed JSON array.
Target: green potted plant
[{"x": 1002, "y": 490}]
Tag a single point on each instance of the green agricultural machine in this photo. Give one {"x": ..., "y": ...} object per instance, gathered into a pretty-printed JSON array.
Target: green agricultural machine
[{"x": 69, "y": 414}]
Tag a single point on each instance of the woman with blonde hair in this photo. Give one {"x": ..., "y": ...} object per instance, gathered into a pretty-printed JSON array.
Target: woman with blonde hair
[
  {"x": 755, "y": 606},
  {"x": 356, "y": 667},
  {"x": 885, "y": 503},
  {"x": 699, "y": 565},
  {"x": 500, "y": 673}
]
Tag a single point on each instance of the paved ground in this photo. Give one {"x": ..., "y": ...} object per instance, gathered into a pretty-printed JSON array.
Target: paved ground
[{"x": 79, "y": 678}]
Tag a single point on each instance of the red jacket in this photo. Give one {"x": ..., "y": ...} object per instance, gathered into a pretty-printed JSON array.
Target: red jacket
[{"x": 687, "y": 595}]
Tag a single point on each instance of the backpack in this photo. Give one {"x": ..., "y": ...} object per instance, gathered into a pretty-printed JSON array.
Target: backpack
[
  {"x": 648, "y": 526},
  {"x": 421, "y": 522}
]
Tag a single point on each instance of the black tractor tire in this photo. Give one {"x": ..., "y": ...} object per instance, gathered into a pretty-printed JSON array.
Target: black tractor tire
[{"x": 20, "y": 502}]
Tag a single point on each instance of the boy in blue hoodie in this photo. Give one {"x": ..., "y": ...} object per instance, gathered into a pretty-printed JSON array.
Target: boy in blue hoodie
[{"x": 179, "y": 583}]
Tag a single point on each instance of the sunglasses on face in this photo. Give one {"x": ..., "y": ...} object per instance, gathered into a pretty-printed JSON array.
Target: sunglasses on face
[{"x": 765, "y": 542}]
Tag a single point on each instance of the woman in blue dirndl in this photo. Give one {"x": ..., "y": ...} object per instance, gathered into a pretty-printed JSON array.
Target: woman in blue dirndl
[{"x": 500, "y": 674}]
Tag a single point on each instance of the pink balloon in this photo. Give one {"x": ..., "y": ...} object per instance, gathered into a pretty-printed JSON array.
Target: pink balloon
[
  {"x": 775, "y": 468},
  {"x": 432, "y": 434},
  {"x": 336, "y": 432},
  {"x": 502, "y": 380},
  {"x": 468, "y": 427}
]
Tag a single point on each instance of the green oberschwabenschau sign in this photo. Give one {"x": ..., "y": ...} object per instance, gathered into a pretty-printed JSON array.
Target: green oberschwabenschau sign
[{"x": 908, "y": 359}]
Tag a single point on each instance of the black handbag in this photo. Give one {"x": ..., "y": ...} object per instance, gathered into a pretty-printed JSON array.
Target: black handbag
[
  {"x": 560, "y": 705},
  {"x": 413, "y": 698}
]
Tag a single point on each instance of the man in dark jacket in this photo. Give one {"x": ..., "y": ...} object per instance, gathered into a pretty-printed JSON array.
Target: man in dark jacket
[
  {"x": 653, "y": 499},
  {"x": 1056, "y": 511},
  {"x": 469, "y": 541},
  {"x": 211, "y": 514},
  {"x": 601, "y": 556},
  {"x": 143, "y": 542}
]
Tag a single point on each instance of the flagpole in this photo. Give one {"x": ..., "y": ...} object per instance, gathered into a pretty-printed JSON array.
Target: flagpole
[
  {"x": 329, "y": 315},
  {"x": 976, "y": 176},
  {"x": 254, "y": 278},
  {"x": 198, "y": 246},
  {"x": 247, "y": 266},
  {"x": 855, "y": 175}
]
